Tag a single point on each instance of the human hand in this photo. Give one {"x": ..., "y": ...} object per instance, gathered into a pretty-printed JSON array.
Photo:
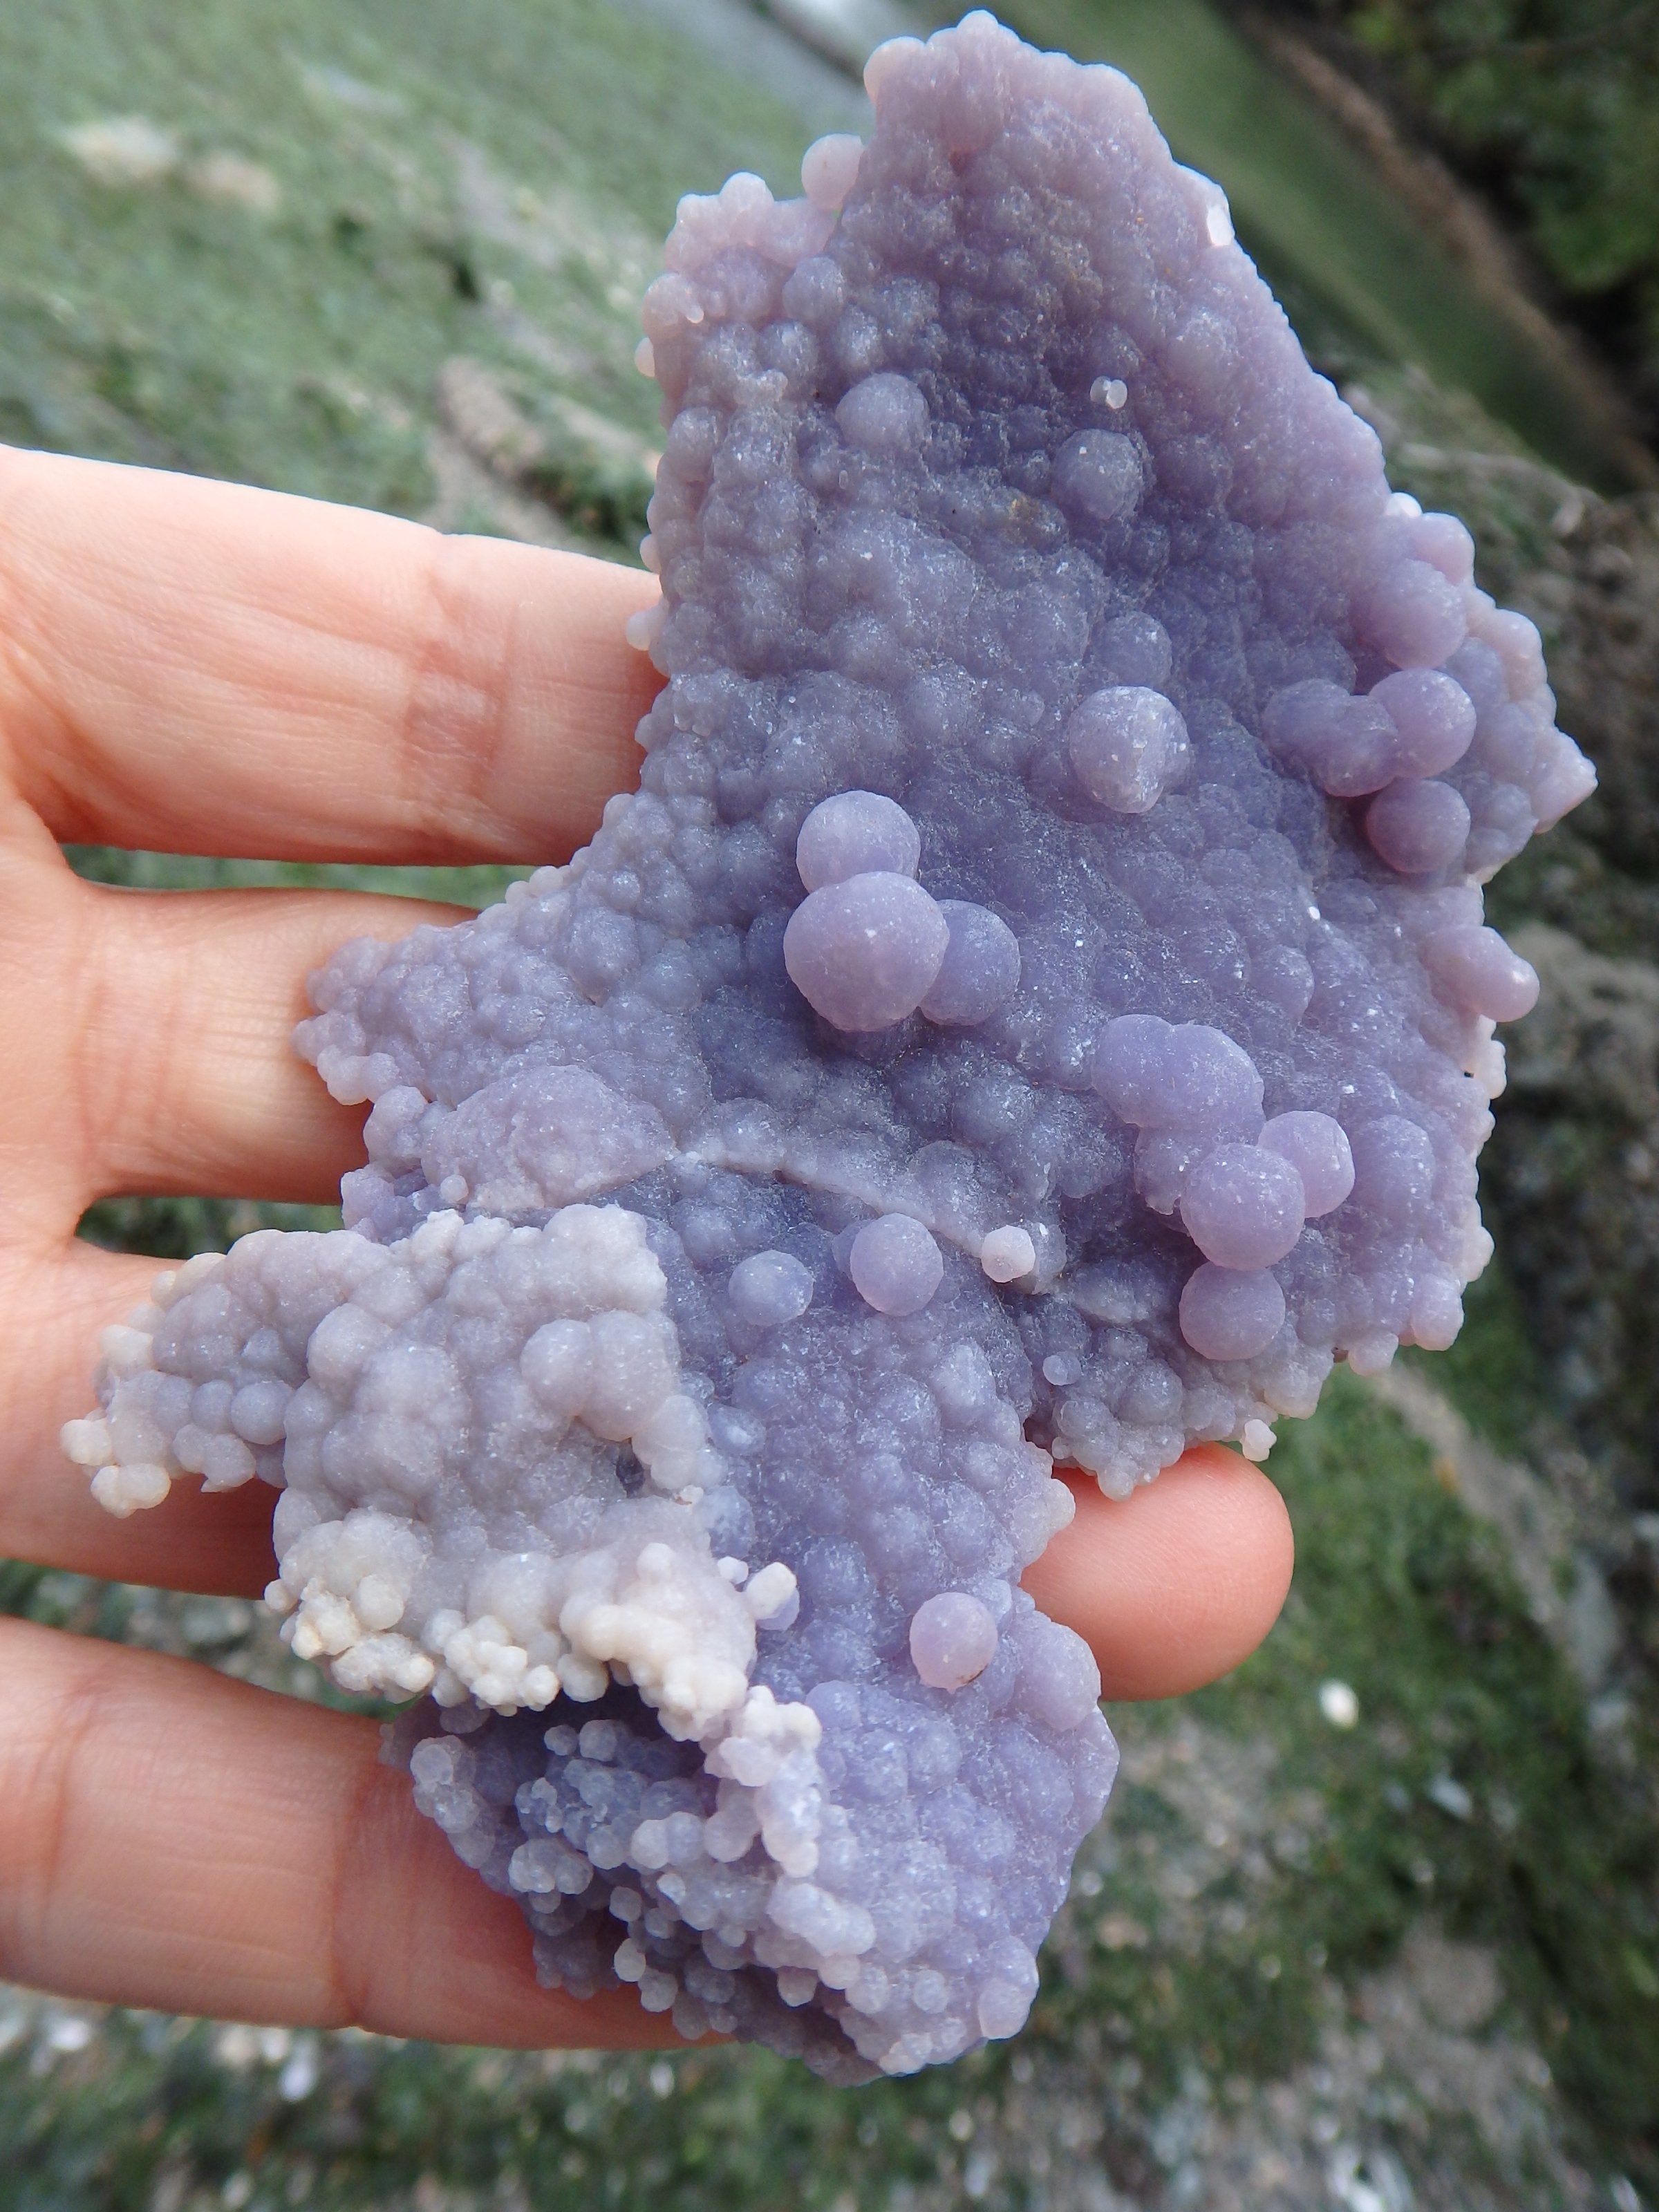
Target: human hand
[{"x": 199, "y": 667}]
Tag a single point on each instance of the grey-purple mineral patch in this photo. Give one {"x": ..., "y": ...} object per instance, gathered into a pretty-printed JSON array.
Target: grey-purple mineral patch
[{"x": 1037, "y": 1008}]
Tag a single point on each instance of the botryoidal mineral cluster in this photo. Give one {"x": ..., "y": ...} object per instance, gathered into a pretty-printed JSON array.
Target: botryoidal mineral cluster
[{"x": 1034, "y": 1011}]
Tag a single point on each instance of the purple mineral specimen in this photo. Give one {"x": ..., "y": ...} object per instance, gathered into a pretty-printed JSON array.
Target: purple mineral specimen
[{"x": 1037, "y": 1008}]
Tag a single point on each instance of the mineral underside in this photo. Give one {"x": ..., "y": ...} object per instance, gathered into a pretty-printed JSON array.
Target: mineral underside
[{"x": 1037, "y": 1008}]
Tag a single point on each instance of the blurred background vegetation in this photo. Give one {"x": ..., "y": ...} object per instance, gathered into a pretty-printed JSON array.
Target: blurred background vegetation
[
  {"x": 1546, "y": 106},
  {"x": 1388, "y": 1949}
]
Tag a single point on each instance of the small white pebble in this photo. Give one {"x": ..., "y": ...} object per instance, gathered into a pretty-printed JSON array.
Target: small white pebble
[
  {"x": 1338, "y": 1704},
  {"x": 1257, "y": 1441},
  {"x": 1109, "y": 392},
  {"x": 235, "y": 182},
  {"x": 122, "y": 150},
  {"x": 645, "y": 358},
  {"x": 1450, "y": 1795},
  {"x": 770, "y": 1590}
]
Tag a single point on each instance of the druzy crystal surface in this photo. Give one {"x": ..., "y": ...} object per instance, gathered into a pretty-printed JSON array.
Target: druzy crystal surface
[{"x": 1036, "y": 1009}]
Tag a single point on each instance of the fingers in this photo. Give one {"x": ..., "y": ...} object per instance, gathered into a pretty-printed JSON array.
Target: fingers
[
  {"x": 183, "y": 1051},
  {"x": 55, "y": 1306},
  {"x": 1176, "y": 1584},
  {"x": 172, "y": 1839},
  {"x": 202, "y": 667}
]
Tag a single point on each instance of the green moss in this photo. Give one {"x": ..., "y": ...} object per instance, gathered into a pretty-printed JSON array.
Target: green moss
[{"x": 1400, "y": 1595}]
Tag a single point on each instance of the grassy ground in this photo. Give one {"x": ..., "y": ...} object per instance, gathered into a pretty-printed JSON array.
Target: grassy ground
[{"x": 1410, "y": 1962}]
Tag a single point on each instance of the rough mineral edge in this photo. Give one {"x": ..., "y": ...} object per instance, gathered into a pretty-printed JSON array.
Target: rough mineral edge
[{"x": 1040, "y": 991}]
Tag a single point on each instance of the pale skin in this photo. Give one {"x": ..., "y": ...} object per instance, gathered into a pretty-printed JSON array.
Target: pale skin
[{"x": 198, "y": 667}]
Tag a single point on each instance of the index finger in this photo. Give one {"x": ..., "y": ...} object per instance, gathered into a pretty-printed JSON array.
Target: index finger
[{"x": 195, "y": 666}]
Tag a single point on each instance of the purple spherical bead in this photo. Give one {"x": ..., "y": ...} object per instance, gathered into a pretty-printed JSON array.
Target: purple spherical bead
[
  {"x": 1317, "y": 1148},
  {"x": 886, "y": 415},
  {"x": 1097, "y": 474},
  {"x": 1187, "y": 1076},
  {"x": 1434, "y": 715},
  {"x": 1243, "y": 1206},
  {"x": 1479, "y": 971},
  {"x": 981, "y": 968},
  {"x": 1226, "y": 1315},
  {"x": 769, "y": 1288},
  {"x": 863, "y": 953},
  {"x": 856, "y": 832},
  {"x": 1418, "y": 827},
  {"x": 895, "y": 1264},
  {"x": 1127, "y": 745}
]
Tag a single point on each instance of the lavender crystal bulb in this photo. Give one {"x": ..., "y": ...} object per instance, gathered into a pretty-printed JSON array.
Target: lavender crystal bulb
[
  {"x": 953, "y": 1638},
  {"x": 980, "y": 967},
  {"x": 863, "y": 952},
  {"x": 1129, "y": 744},
  {"x": 895, "y": 1264},
  {"x": 1037, "y": 1009},
  {"x": 857, "y": 833},
  {"x": 1318, "y": 1149},
  {"x": 1243, "y": 1206}
]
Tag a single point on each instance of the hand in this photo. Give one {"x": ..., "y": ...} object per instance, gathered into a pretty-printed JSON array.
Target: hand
[{"x": 195, "y": 667}]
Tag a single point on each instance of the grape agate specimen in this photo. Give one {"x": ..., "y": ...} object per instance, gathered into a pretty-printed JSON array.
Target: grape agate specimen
[{"x": 1037, "y": 1009}]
